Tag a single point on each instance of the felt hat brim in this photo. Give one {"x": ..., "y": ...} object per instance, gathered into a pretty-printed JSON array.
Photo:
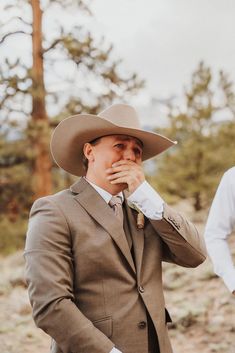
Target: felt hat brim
[{"x": 72, "y": 133}]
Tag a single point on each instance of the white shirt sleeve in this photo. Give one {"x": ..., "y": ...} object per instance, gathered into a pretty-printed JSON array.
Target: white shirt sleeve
[
  {"x": 115, "y": 350},
  {"x": 148, "y": 201},
  {"x": 219, "y": 226}
]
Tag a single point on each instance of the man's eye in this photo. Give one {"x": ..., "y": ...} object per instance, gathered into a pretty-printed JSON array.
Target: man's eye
[
  {"x": 119, "y": 145},
  {"x": 138, "y": 152}
]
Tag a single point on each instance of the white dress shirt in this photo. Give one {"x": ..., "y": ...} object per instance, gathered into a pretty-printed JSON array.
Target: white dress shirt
[
  {"x": 103, "y": 193},
  {"x": 144, "y": 197},
  {"x": 147, "y": 201},
  {"x": 220, "y": 223}
]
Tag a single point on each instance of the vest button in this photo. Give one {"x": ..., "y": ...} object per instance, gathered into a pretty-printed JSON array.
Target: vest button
[
  {"x": 142, "y": 325},
  {"x": 141, "y": 289}
]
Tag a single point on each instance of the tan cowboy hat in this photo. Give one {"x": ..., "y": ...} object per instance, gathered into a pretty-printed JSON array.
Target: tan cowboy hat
[{"x": 72, "y": 133}]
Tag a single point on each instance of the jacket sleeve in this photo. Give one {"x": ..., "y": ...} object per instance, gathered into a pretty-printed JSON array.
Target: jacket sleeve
[
  {"x": 181, "y": 242},
  {"x": 49, "y": 275}
]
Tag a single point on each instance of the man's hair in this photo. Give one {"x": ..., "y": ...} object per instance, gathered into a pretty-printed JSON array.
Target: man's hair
[{"x": 84, "y": 159}]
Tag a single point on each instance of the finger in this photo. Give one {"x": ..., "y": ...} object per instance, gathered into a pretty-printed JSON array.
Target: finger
[
  {"x": 122, "y": 180},
  {"x": 123, "y": 161},
  {"x": 118, "y": 175},
  {"x": 124, "y": 165},
  {"x": 118, "y": 169}
]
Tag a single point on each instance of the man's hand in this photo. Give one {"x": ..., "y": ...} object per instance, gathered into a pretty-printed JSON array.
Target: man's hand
[{"x": 126, "y": 171}]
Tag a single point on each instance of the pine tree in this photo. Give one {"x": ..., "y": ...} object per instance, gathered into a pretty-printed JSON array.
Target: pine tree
[
  {"x": 192, "y": 169},
  {"x": 84, "y": 75}
]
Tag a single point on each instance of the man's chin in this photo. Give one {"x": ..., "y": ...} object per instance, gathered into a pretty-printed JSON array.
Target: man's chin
[{"x": 118, "y": 188}]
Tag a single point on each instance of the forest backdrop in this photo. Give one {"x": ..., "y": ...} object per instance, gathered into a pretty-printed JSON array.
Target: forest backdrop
[{"x": 73, "y": 71}]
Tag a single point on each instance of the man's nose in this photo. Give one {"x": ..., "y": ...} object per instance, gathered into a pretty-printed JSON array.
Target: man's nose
[{"x": 129, "y": 155}]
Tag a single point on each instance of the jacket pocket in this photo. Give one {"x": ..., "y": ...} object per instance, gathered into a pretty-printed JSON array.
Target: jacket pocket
[{"x": 105, "y": 325}]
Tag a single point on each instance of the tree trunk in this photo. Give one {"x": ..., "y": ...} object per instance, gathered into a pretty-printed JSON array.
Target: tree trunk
[
  {"x": 42, "y": 181},
  {"x": 197, "y": 201}
]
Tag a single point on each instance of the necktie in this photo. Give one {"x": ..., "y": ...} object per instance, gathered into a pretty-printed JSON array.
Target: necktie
[{"x": 116, "y": 204}]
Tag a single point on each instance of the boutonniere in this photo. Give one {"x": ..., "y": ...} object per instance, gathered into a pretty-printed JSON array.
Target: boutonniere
[{"x": 140, "y": 215}]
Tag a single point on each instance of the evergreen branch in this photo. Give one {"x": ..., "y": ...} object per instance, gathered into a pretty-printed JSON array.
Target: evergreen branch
[
  {"x": 53, "y": 45},
  {"x": 12, "y": 95},
  {"x": 23, "y": 21},
  {"x": 12, "y": 33},
  {"x": 16, "y": 18},
  {"x": 20, "y": 111},
  {"x": 71, "y": 3},
  {"x": 10, "y": 161},
  {"x": 7, "y": 96}
]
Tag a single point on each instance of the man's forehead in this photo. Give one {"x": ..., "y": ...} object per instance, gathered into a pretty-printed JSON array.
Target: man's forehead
[{"x": 127, "y": 138}]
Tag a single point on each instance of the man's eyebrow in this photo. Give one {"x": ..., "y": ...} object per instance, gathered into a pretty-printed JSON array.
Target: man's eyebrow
[{"x": 126, "y": 138}]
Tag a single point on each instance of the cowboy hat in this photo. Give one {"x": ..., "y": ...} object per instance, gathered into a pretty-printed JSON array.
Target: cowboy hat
[{"x": 72, "y": 133}]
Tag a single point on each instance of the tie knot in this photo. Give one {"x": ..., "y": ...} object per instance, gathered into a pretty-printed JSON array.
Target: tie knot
[{"x": 115, "y": 200}]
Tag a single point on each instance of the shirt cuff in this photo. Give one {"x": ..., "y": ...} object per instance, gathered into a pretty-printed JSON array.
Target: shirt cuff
[
  {"x": 148, "y": 201},
  {"x": 115, "y": 350},
  {"x": 229, "y": 279}
]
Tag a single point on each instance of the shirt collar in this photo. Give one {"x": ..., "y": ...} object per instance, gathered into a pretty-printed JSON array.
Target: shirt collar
[{"x": 103, "y": 193}]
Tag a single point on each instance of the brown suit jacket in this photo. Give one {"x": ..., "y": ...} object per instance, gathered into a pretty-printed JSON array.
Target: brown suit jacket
[{"x": 84, "y": 288}]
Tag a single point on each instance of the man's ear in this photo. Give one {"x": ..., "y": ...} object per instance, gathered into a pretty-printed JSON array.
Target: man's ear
[{"x": 88, "y": 151}]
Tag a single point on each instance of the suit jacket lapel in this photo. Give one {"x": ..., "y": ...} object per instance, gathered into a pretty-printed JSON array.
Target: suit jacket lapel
[
  {"x": 95, "y": 205},
  {"x": 137, "y": 238}
]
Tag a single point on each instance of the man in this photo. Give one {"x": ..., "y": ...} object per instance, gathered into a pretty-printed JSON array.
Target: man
[
  {"x": 93, "y": 265},
  {"x": 220, "y": 223}
]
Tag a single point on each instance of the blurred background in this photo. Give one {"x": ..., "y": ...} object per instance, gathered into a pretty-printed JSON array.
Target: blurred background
[{"x": 174, "y": 60}]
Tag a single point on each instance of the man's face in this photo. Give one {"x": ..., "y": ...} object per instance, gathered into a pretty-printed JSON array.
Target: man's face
[{"x": 106, "y": 152}]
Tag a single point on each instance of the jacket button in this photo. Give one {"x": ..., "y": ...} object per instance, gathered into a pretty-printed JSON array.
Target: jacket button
[
  {"x": 142, "y": 325},
  {"x": 141, "y": 289}
]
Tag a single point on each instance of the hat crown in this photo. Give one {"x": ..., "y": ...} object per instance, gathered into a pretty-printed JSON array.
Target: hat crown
[{"x": 122, "y": 115}]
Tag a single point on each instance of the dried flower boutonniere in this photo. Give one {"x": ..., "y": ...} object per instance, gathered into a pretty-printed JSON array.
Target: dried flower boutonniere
[{"x": 140, "y": 216}]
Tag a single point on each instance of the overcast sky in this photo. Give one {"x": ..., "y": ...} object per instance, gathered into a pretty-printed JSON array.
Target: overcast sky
[{"x": 163, "y": 40}]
